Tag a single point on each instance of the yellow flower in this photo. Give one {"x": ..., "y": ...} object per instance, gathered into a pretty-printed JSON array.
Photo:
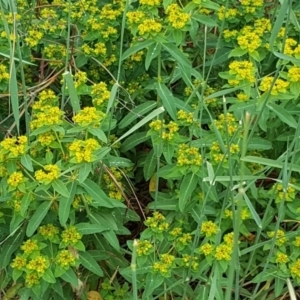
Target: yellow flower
[
  {"x": 52, "y": 173},
  {"x": 281, "y": 239},
  {"x": 65, "y": 259},
  {"x": 149, "y": 26},
  {"x": 279, "y": 85},
  {"x": 144, "y": 248},
  {"x": 70, "y": 236},
  {"x": 19, "y": 263},
  {"x": 89, "y": 116},
  {"x": 38, "y": 264},
  {"x": 281, "y": 258},
  {"x": 206, "y": 249},
  {"x": 31, "y": 279},
  {"x": 223, "y": 252},
  {"x": 48, "y": 231},
  {"x": 188, "y": 156},
  {"x": 295, "y": 269},
  {"x": 30, "y": 246},
  {"x": 15, "y": 179},
  {"x": 209, "y": 228}
]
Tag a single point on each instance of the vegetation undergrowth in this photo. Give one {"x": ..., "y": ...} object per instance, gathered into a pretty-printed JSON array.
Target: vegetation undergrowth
[{"x": 149, "y": 149}]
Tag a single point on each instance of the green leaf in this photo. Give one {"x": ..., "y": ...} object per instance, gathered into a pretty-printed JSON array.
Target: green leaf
[
  {"x": 187, "y": 187},
  {"x": 48, "y": 276},
  {"x": 152, "y": 282},
  {"x": 237, "y": 52},
  {"x": 177, "y": 54},
  {"x": 120, "y": 162},
  {"x": 134, "y": 140},
  {"x": 280, "y": 17},
  {"x": 26, "y": 199},
  {"x": 9, "y": 247},
  {"x": 287, "y": 57},
  {"x": 112, "y": 239},
  {"x": 70, "y": 276},
  {"x": 136, "y": 113},
  {"x": 112, "y": 97},
  {"x": 88, "y": 261},
  {"x": 153, "y": 51},
  {"x": 65, "y": 203},
  {"x": 145, "y": 120},
  {"x": 87, "y": 228},
  {"x": 13, "y": 90},
  {"x": 283, "y": 115},
  {"x": 167, "y": 99},
  {"x": 270, "y": 163},
  {"x": 259, "y": 144},
  {"x": 37, "y": 217},
  {"x": 253, "y": 211},
  {"x": 136, "y": 48},
  {"x": 60, "y": 187},
  {"x": 84, "y": 171},
  {"x": 26, "y": 162},
  {"x": 72, "y": 91},
  {"x": 98, "y": 133},
  {"x": 150, "y": 164},
  {"x": 96, "y": 193},
  {"x": 205, "y": 20}
]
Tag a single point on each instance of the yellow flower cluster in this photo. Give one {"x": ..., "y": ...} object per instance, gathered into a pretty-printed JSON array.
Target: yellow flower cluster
[
  {"x": 223, "y": 252},
  {"x": 52, "y": 173},
  {"x": 150, "y": 2},
  {"x": 243, "y": 70},
  {"x": 149, "y": 27},
  {"x": 164, "y": 265},
  {"x": 108, "y": 12},
  {"x": 262, "y": 25},
  {"x": 33, "y": 38},
  {"x": 70, "y": 236},
  {"x": 83, "y": 150},
  {"x": 157, "y": 222},
  {"x": 184, "y": 239},
  {"x": 15, "y": 179},
  {"x": 208, "y": 228},
  {"x": 80, "y": 78},
  {"x": 281, "y": 239},
  {"x": 144, "y": 248},
  {"x": 295, "y": 269},
  {"x": 45, "y": 116},
  {"x": 56, "y": 53},
  {"x": 296, "y": 242},
  {"x": 289, "y": 46},
  {"x": 48, "y": 231},
  {"x": 279, "y": 85},
  {"x": 281, "y": 258},
  {"x": 227, "y": 124},
  {"x": 38, "y": 264},
  {"x": 250, "y": 6},
  {"x": 30, "y": 246},
  {"x": 65, "y": 259},
  {"x": 135, "y": 17},
  {"x": 288, "y": 195},
  {"x": 114, "y": 186},
  {"x": 45, "y": 139},
  {"x": 227, "y": 14},
  {"x": 230, "y": 34},
  {"x": 176, "y": 17},
  {"x": 188, "y": 156},
  {"x": 4, "y": 75},
  {"x": 19, "y": 263},
  {"x": 14, "y": 146},
  {"x": 242, "y": 97},
  {"x": 99, "y": 49},
  {"x": 185, "y": 117},
  {"x": 100, "y": 94},
  {"x": 31, "y": 279},
  {"x": 207, "y": 249},
  {"x": 190, "y": 261},
  {"x": 294, "y": 74},
  {"x": 249, "y": 41},
  {"x": 89, "y": 116},
  {"x": 167, "y": 130}
]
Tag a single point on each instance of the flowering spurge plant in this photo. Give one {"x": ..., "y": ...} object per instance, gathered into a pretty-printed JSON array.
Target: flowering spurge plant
[{"x": 197, "y": 100}]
